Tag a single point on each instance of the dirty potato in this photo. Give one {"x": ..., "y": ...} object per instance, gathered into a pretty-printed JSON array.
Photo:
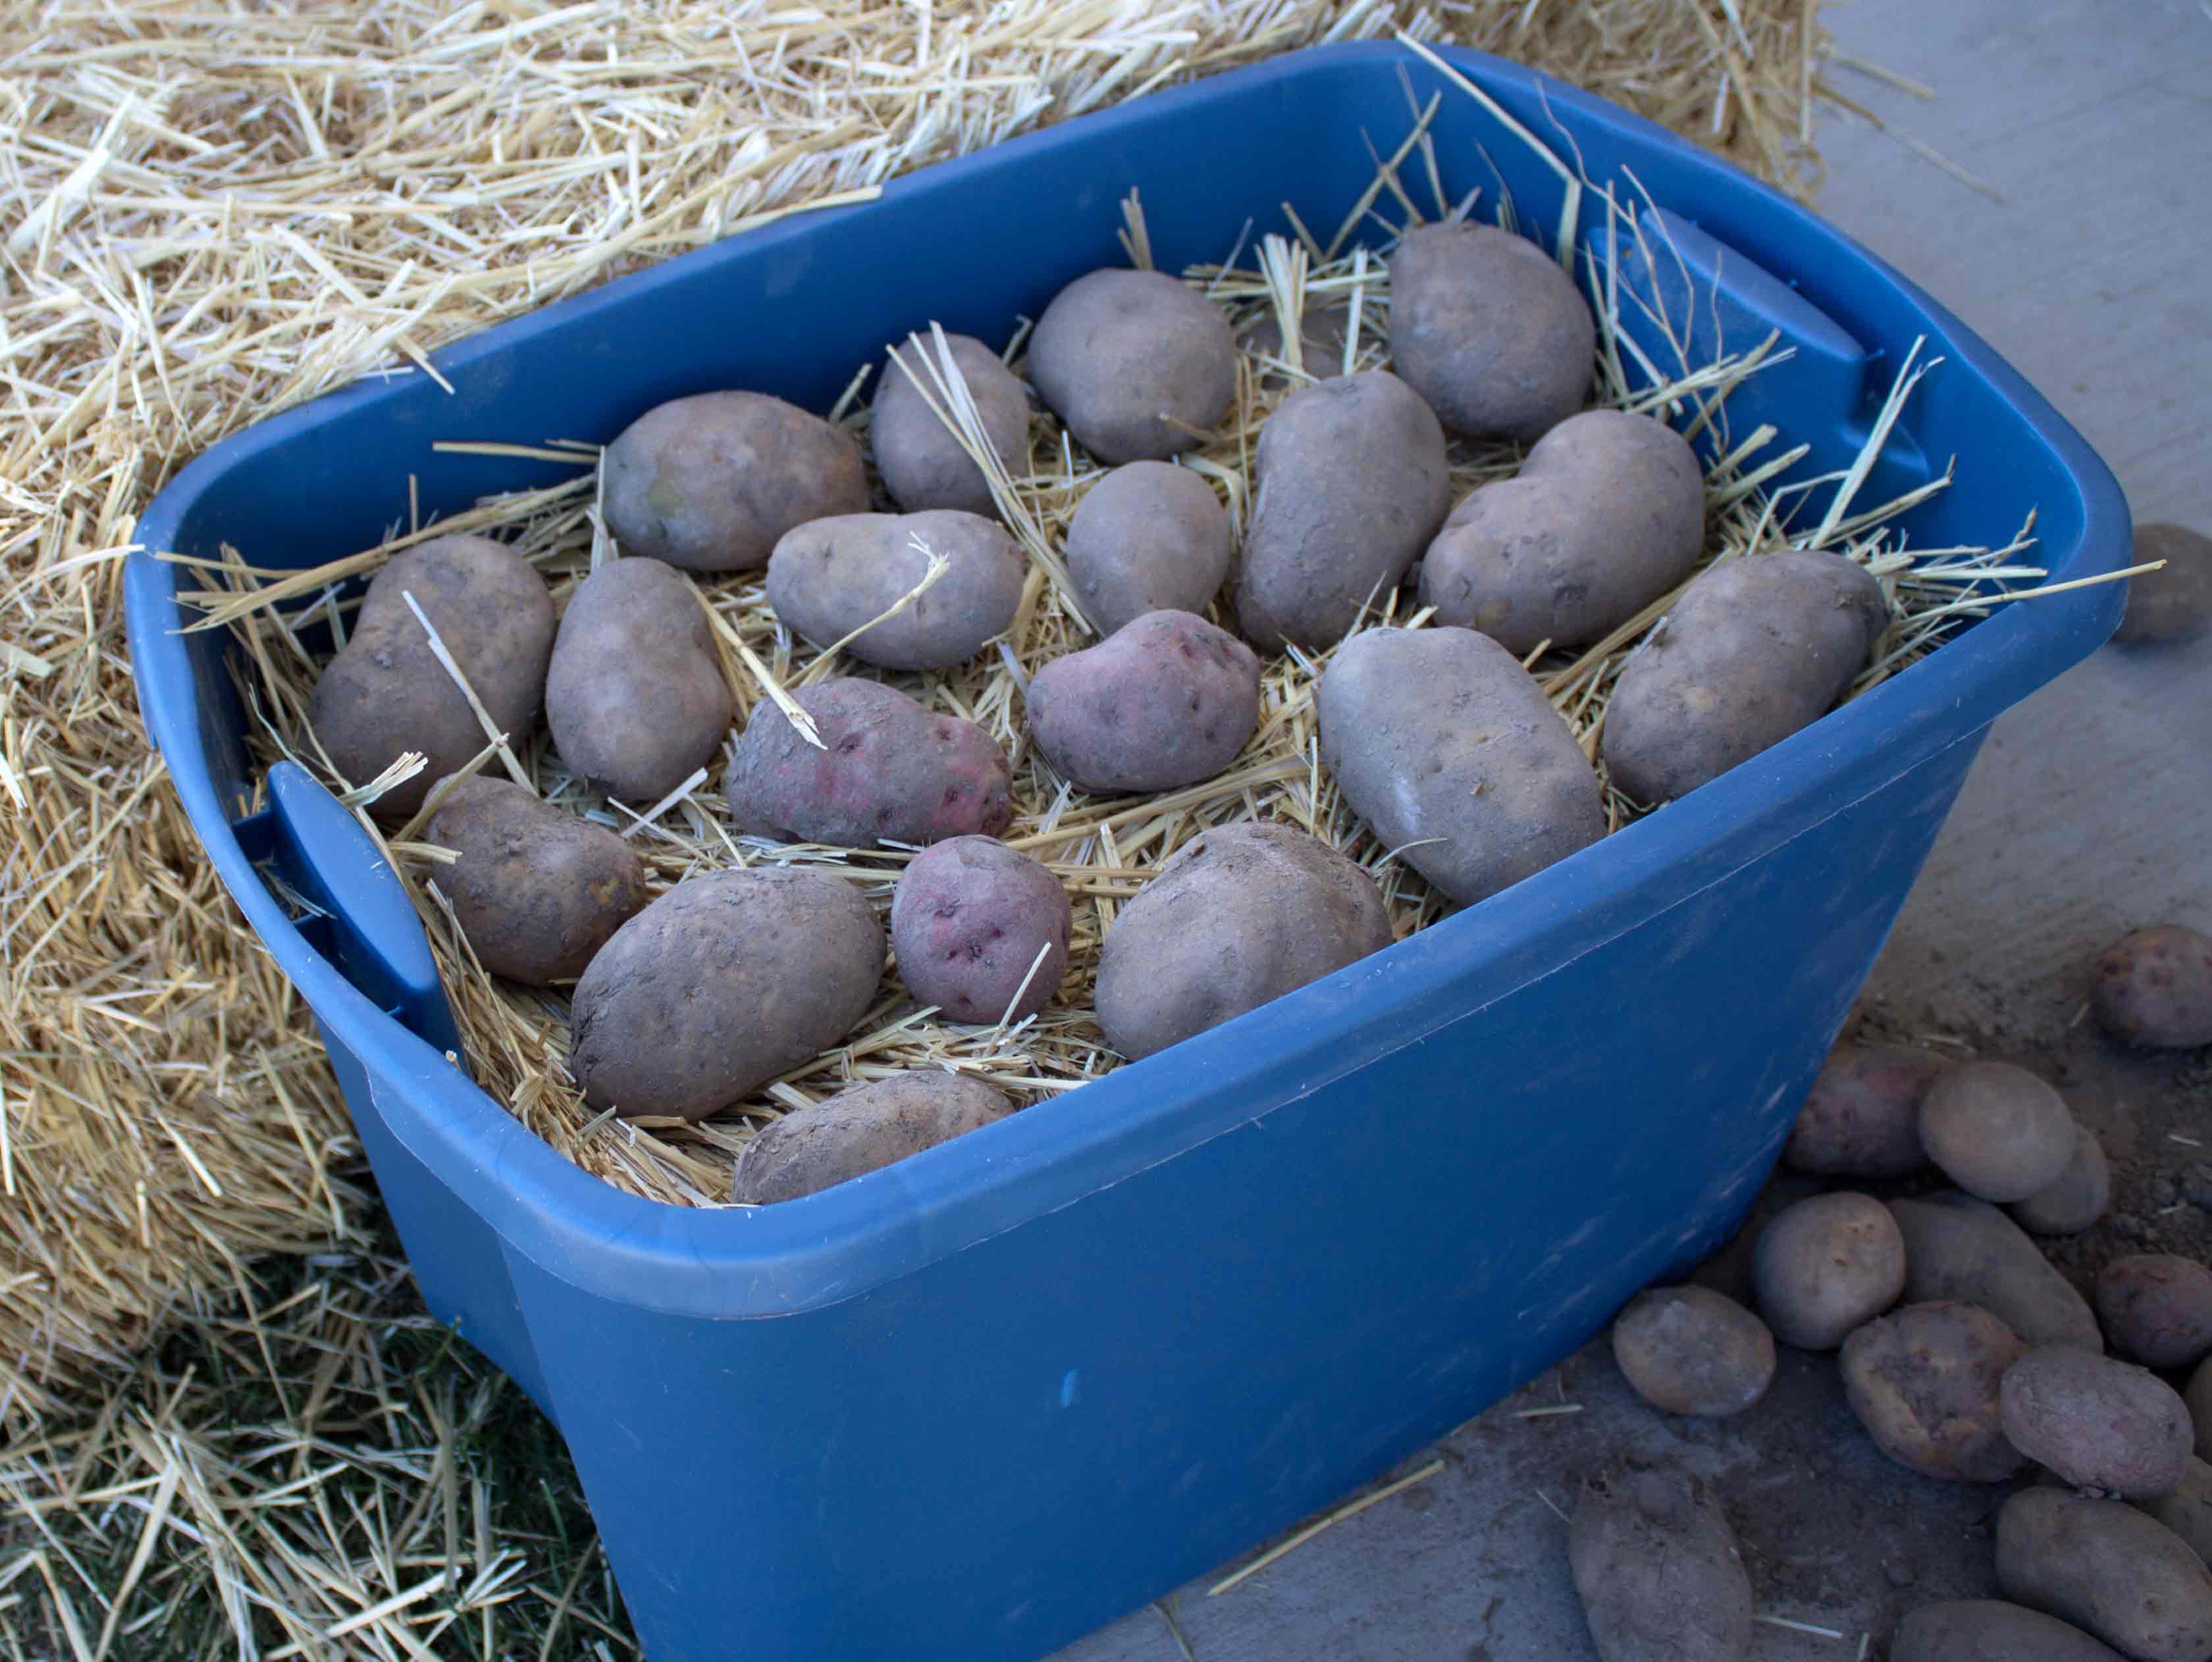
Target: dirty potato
[
  {"x": 720, "y": 985},
  {"x": 2107, "y": 1568},
  {"x": 1163, "y": 703},
  {"x": 1997, "y": 1131},
  {"x": 2175, "y": 604},
  {"x": 1658, "y": 1570},
  {"x": 709, "y": 483},
  {"x": 2081, "y": 1195},
  {"x": 1136, "y": 364},
  {"x": 2097, "y": 1423},
  {"x": 863, "y": 1128},
  {"x": 2154, "y": 988},
  {"x": 1147, "y": 537},
  {"x": 1241, "y": 915},
  {"x": 1448, "y": 750},
  {"x": 537, "y": 890},
  {"x": 974, "y": 924},
  {"x": 2186, "y": 1509},
  {"x": 1757, "y": 648},
  {"x": 829, "y": 577},
  {"x": 1607, "y": 515},
  {"x": 922, "y": 464},
  {"x": 1490, "y": 330},
  {"x": 385, "y": 693},
  {"x": 1351, "y": 483},
  {"x": 1990, "y": 1630},
  {"x": 2156, "y": 1308},
  {"x": 1861, "y": 1118},
  {"x": 1959, "y": 1248},
  {"x": 634, "y": 696},
  {"x": 886, "y": 770},
  {"x": 1923, "y": 1381},
  {"x": 1691, "y": 1350},
  {"x": 1827, "y": 1265}
]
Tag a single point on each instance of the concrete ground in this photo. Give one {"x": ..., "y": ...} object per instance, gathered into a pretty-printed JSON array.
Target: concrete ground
[{"x": 2089, "y": 813}]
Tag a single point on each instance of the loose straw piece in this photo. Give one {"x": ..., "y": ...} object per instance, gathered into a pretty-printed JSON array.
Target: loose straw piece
[
  {"x": 514, "y": 769},
  {"x": 1351, "y": 1509}
]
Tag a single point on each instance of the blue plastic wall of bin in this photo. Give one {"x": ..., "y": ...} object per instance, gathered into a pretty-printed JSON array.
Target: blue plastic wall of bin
[{"x": 971, "y": 1405}]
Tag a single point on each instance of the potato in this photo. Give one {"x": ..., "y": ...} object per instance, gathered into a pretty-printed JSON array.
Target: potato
[
  {"x": 1756, "y": 648},
  {"x": 2156, "y": 1309},
  {"x": 2198, "y": 1396},
  {"x": 1147, "y": 537},
  {"x": 969, "y": 918},
  {"x": 709, "y": 483},
  {"x": 2105, "y": 1567},
  {"x": 863, "y": 1128},
  {"x": 1658, "y": 1570},
  {"x": 1997, "y": 1131},
  {"x": 1240, "y": 915},
  {"x": 1351, "y": 483},
  {"x": 829, "y": 577},
  {"x": 720, "y": 985},
  {"x": 2097, "y": 1422},
  {"x": 635, "y": 696},
  {"x": 1691, "y": 1350},
  {"x": 2186, "y": 1509},
  {"x": 2154, "y": 988},
  {"x": 386, "y": 692},
  {"x": 1136, "y": 364},
  {"x": 1490, "y": 330},
  {"x": 1861, "y": 1118},
  {"x": 537, "y": 890},
  {"x": 1959, "y": 1248},
  {"x": 1986, "y": 1630},
  {"x": 2079, "y": 1198},
  {"x": 888, "y": 770},
  {"x": 1163, "y": 703},
  {"x": 1448, "y": 750},
  {"x": 1827, "y": 1265},
  {"x": 1924, "y": 1381},
  {"x": 922, "y": 464},
  {"x": 2175, "y": 604},
  {"x": 1606, "y": 514}
]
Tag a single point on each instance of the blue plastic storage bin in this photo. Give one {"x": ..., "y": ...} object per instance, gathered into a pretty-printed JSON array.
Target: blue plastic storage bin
[{"x": 974, "y": 1405}]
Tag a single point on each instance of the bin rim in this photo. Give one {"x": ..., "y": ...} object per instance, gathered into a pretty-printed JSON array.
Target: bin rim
[{"x": 728, "y": 1263}]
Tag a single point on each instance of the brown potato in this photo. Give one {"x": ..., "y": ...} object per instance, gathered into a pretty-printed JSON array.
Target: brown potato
[
  {"x": 386, "y": 692},
  {"x": 1827, "y": 1265},
  {"x": 1490, "y": 330},
  {"x": 1985, "y": 1630},
  {"x": 1690, "y": 1350},
  {"x": 1136, "y": 364},
  {"x": 635, "y": 696},
  {"x": 888, "y": 770},
  {"x": 720, "y": 985},
  {"x": 1163, "y": 703},
  {"x": 828, "y": 577},
  {"x": 2079, "y": 1198},
  {"x": 1959, "y": 1248},
  {"x": 923, "y": 463},
  {"x": 1147, "y": 537},
  {"x": 1997, "y": 1131},
  {"x": 2105, "y": 1568},
  {"x": 1448, "y": 750},
  {"x": 2173, "y": 605},
  {"x": 1924, "y": 1381},
  {"x": 2097, "y": 1422},
  {"x": 2156, "y": 1308},
  {"x": 2186, "y": 1509},
  {"x": 537, "y": 890},
  {"x": 1861, "y": 1118},
  {"x": 1241, "y": 915},
  {"x": 1606, "y": 514},
  {"x": 1757, "y": 648},
  {"x": 2154, "y": 988},
  {"x": 969, "y": 918},
  {"x": 1658, "y": 1570},
  {"x": 863, "y": 1128},
  {"x": 709, "y": 483},
  {"x": 1352, "y": 483}
]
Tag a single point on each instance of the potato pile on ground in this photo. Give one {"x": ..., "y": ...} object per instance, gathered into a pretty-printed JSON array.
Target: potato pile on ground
[{"x": 1966, "y": 1355}]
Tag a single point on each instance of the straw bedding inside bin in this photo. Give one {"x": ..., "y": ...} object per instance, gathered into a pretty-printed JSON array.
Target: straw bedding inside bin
[{"x": 1101, "y": 849}]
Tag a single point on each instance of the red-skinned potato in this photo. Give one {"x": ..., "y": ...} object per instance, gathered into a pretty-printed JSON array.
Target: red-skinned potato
[
  {"x": 1861, "y": 1118},
  {"x": 829, "y": 577},
  {"x": 1148, "y": 537},
  {"x": 922, "y": 464},
  {"x": 1163, "y": 703},
  {"x": 385, "y": 693},
  {"x": 887, "y": 769},
  {"x": 1658, "y": 1570},
  {"x": 2097, "y": 1423},
  {"x": 2154, "y": 988},
  {"x": 1997, "y": 1131},
  {"x": 1959, "y": 1248},
  {"x": 635, "y": 696},
  {"x": 1924, "y": 1381},
  {"x": 862, "y": 1129},
  {"x": 2105, "y": 1568},
  {"x": 2081, "y": 1195},
  {"x": 1989, "y": 1630},
  {"x": 968, "y": 920},
  {"x": 1136, "y": 364},
  {"x": 2156, "y": 1308},
  {"x": 537, "y": 890},
  {"x": 709, "y": 483},
  {"x": 1827, "y": 1265}
]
